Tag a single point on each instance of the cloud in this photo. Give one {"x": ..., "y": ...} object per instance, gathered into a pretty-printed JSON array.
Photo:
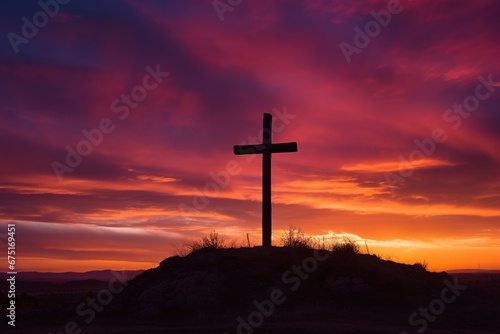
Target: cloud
[{"x": 352, "y": 122}]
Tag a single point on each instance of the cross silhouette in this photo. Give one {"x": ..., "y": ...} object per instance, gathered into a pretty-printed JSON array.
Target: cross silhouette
[{"x": 266, "y": 149}]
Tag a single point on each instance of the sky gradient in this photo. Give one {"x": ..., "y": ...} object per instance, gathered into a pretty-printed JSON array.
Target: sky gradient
[{"x": 118, "y": 121}]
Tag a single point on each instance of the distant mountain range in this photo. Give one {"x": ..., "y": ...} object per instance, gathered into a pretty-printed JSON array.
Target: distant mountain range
[
  {"x": 106, "y": 275},
  {"x": 473, "y": 271},
  {"x": 101, "y": 275}
]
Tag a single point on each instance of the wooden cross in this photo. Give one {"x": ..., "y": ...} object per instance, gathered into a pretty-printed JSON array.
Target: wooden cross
[{"x": 266, "y": 149}]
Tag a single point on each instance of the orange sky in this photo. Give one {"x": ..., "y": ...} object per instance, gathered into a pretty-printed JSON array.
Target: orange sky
[{"x": 397, "y": 141}]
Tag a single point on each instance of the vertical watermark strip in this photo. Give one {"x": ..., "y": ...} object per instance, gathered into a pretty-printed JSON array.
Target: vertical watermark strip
[{"x": 11, "y": 273}]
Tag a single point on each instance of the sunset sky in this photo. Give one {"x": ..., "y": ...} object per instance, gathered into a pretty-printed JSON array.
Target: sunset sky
[{"x": 396, "y": 118}]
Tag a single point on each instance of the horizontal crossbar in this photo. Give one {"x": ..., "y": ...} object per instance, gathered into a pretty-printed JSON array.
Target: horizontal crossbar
[{"x": 261, "y": 148}]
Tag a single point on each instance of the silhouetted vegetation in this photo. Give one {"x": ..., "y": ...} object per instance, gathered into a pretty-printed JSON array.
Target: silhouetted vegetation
[
  {"x": 423, "y": 264},
  {"x": 214, "y": 240},
  {"x": 295, "y": 238},
  {"x": 346, "y": 246}
]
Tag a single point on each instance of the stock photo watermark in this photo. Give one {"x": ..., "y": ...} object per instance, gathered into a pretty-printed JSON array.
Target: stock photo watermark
[
  {"x": 88, "y": 309},
  {"x": 372, "y": 29},
  {"x": 453, "y": 116},
  {"x": 222, "y": 6},
  {"x": 120, "y": 106},
  {"x": 222, "y": 178},
  {"x": 11, "y": 273},
  {"x": 436, "y": 307},
  {"x": 292, "y": 279},
  {"x": 30, "y": 28}
]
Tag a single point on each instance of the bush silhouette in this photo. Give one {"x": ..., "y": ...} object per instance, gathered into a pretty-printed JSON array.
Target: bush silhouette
[
  {"x": 214, "y": 240},
  {"x": 346, "y": 246},
  {"x": 422, "y": 264},
  {"x": 295, "y": 238}
]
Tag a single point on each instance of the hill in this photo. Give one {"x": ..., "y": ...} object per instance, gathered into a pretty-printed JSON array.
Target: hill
[
  {"x": 275, "y": 290},
  {"x": 254, "y": 287},
  {"x": 212, "y": 282}
]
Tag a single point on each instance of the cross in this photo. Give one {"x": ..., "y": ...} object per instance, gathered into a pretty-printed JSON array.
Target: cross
[{"x": 266, "y": 149}]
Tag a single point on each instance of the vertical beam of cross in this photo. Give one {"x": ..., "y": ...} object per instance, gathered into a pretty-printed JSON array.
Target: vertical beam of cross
[
  {"x": 266, "y": 182},
  {"x": 266, "y": 149}
]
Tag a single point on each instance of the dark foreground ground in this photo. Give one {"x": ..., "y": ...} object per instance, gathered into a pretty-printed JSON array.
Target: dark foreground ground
[
  {"x": 461, "y": 318},
  {"x": 295, "y": 327},
  {"x": 353, "y": 294}
]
